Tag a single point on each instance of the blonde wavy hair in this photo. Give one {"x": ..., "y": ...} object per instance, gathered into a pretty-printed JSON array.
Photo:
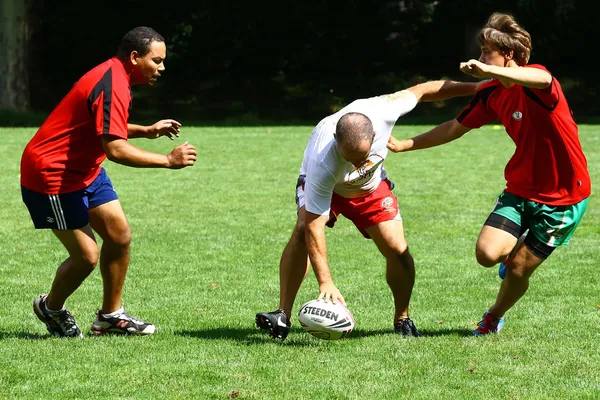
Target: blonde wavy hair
[{"x": 503, "y": 32}]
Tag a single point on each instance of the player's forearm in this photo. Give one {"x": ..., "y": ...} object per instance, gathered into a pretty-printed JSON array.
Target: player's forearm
[
  {"x": 528, "y": 77},
  {"x": 129, "y": 155},
  {"x": 443, "y": 90},
  {"x": 136, "y": 131},
  {"x": 439, "y": 135},
  {"x": 317, "y": 252}
]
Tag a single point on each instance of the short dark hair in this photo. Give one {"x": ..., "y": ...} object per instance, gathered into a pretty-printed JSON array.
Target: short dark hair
[
  {"x": 138, "y": 39},
  {"x": 352, "y": 128}
]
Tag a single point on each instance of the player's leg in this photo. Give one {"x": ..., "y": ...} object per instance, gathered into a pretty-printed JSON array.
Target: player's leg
[
  {"x": 83, "y": 257},
  {"x": 293, "y": 268},
  {"x": 516, "y": 282},
  {"x": 293, "y": 265},
  {"x": 501, "y": 230},
  {"x": 493, "y": 246},
  {"x": 108, "y": 219},
  {"x": 377, "y": 216},
  {"x": 67, "y": 216},
  {"x": 549, "y": 227},
  {"x": 400, "y": 270},
  {"x": 497, "y": 240}
]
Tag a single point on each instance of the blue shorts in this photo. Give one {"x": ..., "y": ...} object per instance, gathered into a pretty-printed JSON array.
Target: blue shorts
[{"x": 68, "y": 210}]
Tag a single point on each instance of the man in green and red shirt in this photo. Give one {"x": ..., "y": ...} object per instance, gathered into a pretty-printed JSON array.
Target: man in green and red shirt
[
  {"x": 548, "y": 183},
  {"x": 66, "y": 190}
]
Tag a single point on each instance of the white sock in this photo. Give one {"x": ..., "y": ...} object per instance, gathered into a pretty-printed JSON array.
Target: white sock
[{"x": 114, "y": 313}]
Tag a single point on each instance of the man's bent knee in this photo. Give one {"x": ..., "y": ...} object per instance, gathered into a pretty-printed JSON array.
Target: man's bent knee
[
  {"x": 120, "y": 238},
  {"x": 486, "y": 258},
  {"x": 88, "y": 257},
  {"x": 404, "y": 257}
]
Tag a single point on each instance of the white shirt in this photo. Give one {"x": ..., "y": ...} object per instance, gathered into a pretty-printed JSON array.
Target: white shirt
[{"x": 326, "y": 170}]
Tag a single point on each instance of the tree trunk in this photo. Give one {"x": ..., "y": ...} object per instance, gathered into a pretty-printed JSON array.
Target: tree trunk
[{"x": 14, "y": 45}]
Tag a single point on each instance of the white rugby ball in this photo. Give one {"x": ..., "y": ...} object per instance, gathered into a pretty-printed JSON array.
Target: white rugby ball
[{"x": 326, "y": 320}]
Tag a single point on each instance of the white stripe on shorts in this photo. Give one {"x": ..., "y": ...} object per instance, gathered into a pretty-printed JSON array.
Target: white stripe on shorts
[{"x": 58, "y": 212}]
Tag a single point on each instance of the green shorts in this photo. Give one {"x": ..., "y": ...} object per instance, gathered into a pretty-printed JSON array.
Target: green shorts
[{"x": 551, "y": 225}]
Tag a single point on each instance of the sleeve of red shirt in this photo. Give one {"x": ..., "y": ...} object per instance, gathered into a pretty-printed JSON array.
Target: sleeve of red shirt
[
  {"x": 111, "y": 108},
  {"x": 550, "y": 95},
  {"x": 477, "y": 113}
]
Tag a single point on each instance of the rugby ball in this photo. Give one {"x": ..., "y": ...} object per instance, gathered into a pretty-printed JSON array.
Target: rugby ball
[
  {"x": 365, "y": 172},
  {"x": 326, "y": 320}
]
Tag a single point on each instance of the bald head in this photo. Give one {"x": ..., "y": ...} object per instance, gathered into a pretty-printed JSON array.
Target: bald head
[
  {"x": 354, "y": 135},
  {"x": 352, "y": 129}
]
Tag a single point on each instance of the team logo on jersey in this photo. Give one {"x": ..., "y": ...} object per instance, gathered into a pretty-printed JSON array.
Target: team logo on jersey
[
  {"x": 49, "y": 220},
  {"x": 388, "y": 204},
  {"x": 518, "y": 115}
]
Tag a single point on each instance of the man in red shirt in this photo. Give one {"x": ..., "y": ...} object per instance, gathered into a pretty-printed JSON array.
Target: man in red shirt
[
  {"x": 548, "y": 183},
  {"x": 65, "y": 188}
]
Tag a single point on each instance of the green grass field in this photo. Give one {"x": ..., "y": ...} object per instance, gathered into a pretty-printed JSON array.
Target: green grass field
[{"x": 205, "y": 253}]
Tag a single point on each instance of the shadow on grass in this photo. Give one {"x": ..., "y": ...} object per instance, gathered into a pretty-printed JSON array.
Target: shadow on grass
[
  {"x": 358, "y": 333},
  {"x": 24, "y": 335},
  {"x": 254, "y": 335}
]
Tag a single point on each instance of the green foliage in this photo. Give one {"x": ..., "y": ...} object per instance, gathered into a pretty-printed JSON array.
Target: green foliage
[
  {"x": 282, "y": 61},
  {"x": 205, "y": 254},
  {"x": 21, "y": 118}
]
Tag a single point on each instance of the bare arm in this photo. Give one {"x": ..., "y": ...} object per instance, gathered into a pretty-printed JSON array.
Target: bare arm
[
  {"x": 529, "y": 77},
  {"x": 443, "y": 90},
  {"x": 122, "y": 152},
  {"x": 164, "y": 127},
  {"x": 436, "y": 90},
  {"x": 314, "y": 229},
  {"x": 443, "y": 133}
]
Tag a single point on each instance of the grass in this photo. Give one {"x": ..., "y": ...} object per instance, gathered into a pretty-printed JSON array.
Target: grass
[{"x": 205, "y": 253}]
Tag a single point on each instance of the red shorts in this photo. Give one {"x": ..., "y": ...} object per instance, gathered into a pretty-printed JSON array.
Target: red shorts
[{"x": 375, "y": 208}]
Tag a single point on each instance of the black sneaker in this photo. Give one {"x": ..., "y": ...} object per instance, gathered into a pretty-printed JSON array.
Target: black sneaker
[
  {"x": 60, "y": 324},
  {"x": 406, "y": 327},
  {"x": 121, "y": 324},
  {"x": 276, "y": 322}
]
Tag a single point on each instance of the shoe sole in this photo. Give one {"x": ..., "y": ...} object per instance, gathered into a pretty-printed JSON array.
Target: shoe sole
[{"x": 100, "y": 332}]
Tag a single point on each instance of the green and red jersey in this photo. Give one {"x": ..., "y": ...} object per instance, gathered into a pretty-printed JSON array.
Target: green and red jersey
[
  {"x": 66, "y": 152},
  {"x": 548, "y": 165}
]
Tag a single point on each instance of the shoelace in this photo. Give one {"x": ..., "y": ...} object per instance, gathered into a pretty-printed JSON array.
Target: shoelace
[
  {"x": 66, "y": 321},
  {"x": 128, "y": 317}
]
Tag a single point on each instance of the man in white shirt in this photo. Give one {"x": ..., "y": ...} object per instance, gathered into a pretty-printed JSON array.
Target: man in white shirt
[{"x": 342, "y": 173}]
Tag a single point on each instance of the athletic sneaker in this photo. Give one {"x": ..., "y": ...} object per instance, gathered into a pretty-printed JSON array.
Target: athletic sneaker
[
  {"x": 406, "y": 327},
  {"x": 489, "y": 324},
  {"x": 61, "y": 323},
  {"x": 502, "y": 271},
  {"x": 121, "y": 324},
  {"x": 275, "y": 322}
]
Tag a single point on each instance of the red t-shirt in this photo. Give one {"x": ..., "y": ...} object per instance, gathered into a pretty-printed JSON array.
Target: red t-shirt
[
  {"x": 66, "y": 152},
  {"x": 548, "y": 165}
]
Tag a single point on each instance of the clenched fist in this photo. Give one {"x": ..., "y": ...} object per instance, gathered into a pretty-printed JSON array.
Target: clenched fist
[{"x": 182, "y": 156}]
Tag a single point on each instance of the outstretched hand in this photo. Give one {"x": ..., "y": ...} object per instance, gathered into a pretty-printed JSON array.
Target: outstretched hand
[
  {"x": 182, "y": 156},
  {"x": 475, "y": 68},
  {"x": 164, "y": 127},
  {"x": 395, "y": 145},
  {"x": 329, "y": 292}
]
